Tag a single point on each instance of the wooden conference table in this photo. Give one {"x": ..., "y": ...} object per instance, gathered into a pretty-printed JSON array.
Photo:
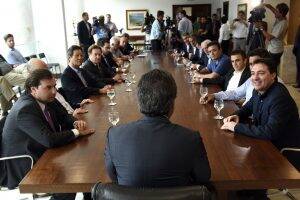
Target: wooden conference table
[{"x": 237, "y": 162}]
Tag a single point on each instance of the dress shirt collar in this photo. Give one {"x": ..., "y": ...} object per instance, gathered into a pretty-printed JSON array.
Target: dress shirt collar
[
  {"x": 269, "y": 90},
  {"x": 42, "y": 105},
  {"x": 75, "y": 69},
  {"x": 156, "y": 118}
]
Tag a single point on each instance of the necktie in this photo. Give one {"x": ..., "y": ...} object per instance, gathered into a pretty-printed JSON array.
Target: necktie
[
  {"x": 49, "y": 119},
  {"x": 81, "y": 78}
]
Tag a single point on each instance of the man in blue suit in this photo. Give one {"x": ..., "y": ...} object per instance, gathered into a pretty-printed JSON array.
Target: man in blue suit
[{"x": 154, "y": 152}]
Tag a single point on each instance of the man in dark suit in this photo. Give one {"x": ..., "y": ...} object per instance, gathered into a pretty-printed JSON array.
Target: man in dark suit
[
  {"x": 269, "y": 105},
  {"x": 296, "y": 51},
  {"x": 145, "y": 153},
  {"x": 108, "y": 58},
  {"x": 85, "y": 36},
  {"x": 36, "y": 123},
  {"x": 98, "y": 70},
  {"x": 77, "y": 83},
  {"x": 234, "y": 77}
]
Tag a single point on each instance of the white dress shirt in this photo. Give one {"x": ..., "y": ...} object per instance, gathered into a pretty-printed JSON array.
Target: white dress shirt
[
  {"x": 240, "y": 30},
  {"x": 234, "y": 81},
  {"x": 224, "y": 33}
]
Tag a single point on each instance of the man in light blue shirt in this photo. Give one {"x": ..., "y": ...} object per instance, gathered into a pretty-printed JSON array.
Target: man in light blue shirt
[
  {"x": 185, "y": 25},
  {"x": 219, "y": 65},
  {"x": 13, "y": 56},
  {"x": 157, "y": 32},
  {"x": 246, "y": 89}
]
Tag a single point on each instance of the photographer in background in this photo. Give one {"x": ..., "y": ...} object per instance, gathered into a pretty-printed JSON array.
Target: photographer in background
[
  {"x": 275, "y": 38},
  {"x": 239, "y": 29},
  {"x": 156, "y": 34}
]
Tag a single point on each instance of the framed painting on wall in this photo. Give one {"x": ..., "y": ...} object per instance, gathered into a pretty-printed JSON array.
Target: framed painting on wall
[
  {"x": 242, "y": 7},
  {"x": 135, "y": 19}
]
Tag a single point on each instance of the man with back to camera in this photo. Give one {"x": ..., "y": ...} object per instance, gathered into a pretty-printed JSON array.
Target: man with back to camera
[
  {"x": 37, "y": 122},
  {"x": 145, "y": 153}
]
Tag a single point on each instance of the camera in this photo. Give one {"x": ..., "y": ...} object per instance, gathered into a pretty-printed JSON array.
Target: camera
[
  {"x": 257, "y": 14},
  {"x": 149, "y": 19},
  {"x": 169, "y": 23}
]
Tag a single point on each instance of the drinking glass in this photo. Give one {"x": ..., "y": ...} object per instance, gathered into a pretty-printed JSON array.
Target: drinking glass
[
  {"x": 132, "y": 76},
  {"x": 219, "y": 105},
  {"x": 111, "y": 94},
  {"x": 113, "y": 117},
  {"x": 203, "y": 91},
  {"x": 128, "y": 83}
]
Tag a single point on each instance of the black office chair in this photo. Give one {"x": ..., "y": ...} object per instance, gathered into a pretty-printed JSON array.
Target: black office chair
[
  {"x": 51, "y": 66},
  {"x": 112, "y": 191}
]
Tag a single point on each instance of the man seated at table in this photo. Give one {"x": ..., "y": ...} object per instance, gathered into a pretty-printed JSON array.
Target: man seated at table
[
  {"x": 194, "y": 53},
  {"x": 243, "y": 92},
  {"x": 36, "y": 123},
  {"x": 115, "y": 49},
  {"x": 186, "y": 47},
  {"x": 35, "y": 64},
  {"x": 98, "y": 70},
  {"x": 275, "y": 113},
  {"x": 146, "y": 153},
  {"x": 219, "y": 65},
  {"x": 108, "y": 59},
  {"x": 125, "y": 47},
  {"x": 235, "y": 76},
  {"x": 77, "y": 83},
  {"x": 13, "y": 56}
]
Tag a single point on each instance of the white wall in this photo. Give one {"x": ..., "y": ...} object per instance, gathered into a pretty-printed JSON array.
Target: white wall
[
  {"x": 117, "y": 8},
  {"x": 16, "y": 18},
  {"x": 49, "y": 29}
]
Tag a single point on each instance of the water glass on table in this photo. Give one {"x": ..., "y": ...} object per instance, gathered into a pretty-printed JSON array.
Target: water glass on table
[
  {"x": 218, "y": 105},
  {"x": 113, "y": 117},
  {"x": 111, "y": 94}
]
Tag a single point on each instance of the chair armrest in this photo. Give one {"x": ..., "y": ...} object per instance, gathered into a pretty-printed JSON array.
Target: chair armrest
[
  {"x": 289, "y": 149},
  {"x": 17, "y": 157}
]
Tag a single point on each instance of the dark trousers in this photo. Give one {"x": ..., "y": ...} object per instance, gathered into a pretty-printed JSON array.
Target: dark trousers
[
  {"x": 297, "y": 54},
  {"x": 225, "y": 46},
  {"x": 85, "y": 52},
  {"x": 156, "y": 45},
  {"x": 276, "y": 59},
  {"x": 252, "y": 195},
  {"x": 69, "y": 196}
]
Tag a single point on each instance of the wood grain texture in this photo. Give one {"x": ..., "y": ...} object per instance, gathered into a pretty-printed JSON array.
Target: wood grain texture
[{"x": 237, "y": 162}]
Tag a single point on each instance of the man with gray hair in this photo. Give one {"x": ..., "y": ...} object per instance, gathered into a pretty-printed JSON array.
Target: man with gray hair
[
  {"x": 115, "y": 49},
  {"x": 151, "y": 141}
]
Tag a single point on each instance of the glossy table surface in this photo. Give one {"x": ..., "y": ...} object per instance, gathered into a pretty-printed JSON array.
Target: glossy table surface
[{"x": 237, "y": 162}]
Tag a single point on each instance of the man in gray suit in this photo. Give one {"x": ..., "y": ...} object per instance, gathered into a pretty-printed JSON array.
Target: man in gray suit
[
  {"x": 154, "y": 152},
  {"x": 37, "y": 122}
]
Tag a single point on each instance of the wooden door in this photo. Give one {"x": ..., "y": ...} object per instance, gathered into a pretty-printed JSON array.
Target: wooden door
[
  {"x": 198, "y": 10},
  {"x": 294, "y": 20}
]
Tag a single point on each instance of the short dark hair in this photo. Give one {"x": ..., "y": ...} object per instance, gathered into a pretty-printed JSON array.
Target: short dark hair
[
  {"x": 239, "y": 52},
  {"x": 268, "y": 62},
  {"x": 125, "y": 35},
  {"x": 35, "y": 77},
  {"x": 84, "y": 14},
  {"x": 157, "y": 91},
  {"x": 224, "y": 19},
  {"x": 183, "y": 12},
  {"x": 92, "y": 47},
  {"x": 160, "y": 13},
  {"x": 282, "y": 8},
  {"x": 71, "y": 50},
  {"x": 214, "y": 43},
  {"x": 9, "y": 35},
  {"x": 261, "y": 52},
  {"x": 101, "y": 42}
]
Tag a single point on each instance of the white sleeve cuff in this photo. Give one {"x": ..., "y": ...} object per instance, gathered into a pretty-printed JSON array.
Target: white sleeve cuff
[{"x": 76, "y": 132}]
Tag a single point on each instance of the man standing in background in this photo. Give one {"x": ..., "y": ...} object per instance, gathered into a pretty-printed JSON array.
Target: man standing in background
[
  {"x": 185, "y": 25},
  {"x": 157, "y": 32},
  {"x": 112, "y": 26},
  {"x": 239, "y": 29},
  {"x": 85, "y": 36}
]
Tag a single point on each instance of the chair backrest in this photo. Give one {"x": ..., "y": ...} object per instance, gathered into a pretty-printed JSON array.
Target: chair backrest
[
  {"x": 33, "y": 56},
  {"x": 112, "y": 191}
]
